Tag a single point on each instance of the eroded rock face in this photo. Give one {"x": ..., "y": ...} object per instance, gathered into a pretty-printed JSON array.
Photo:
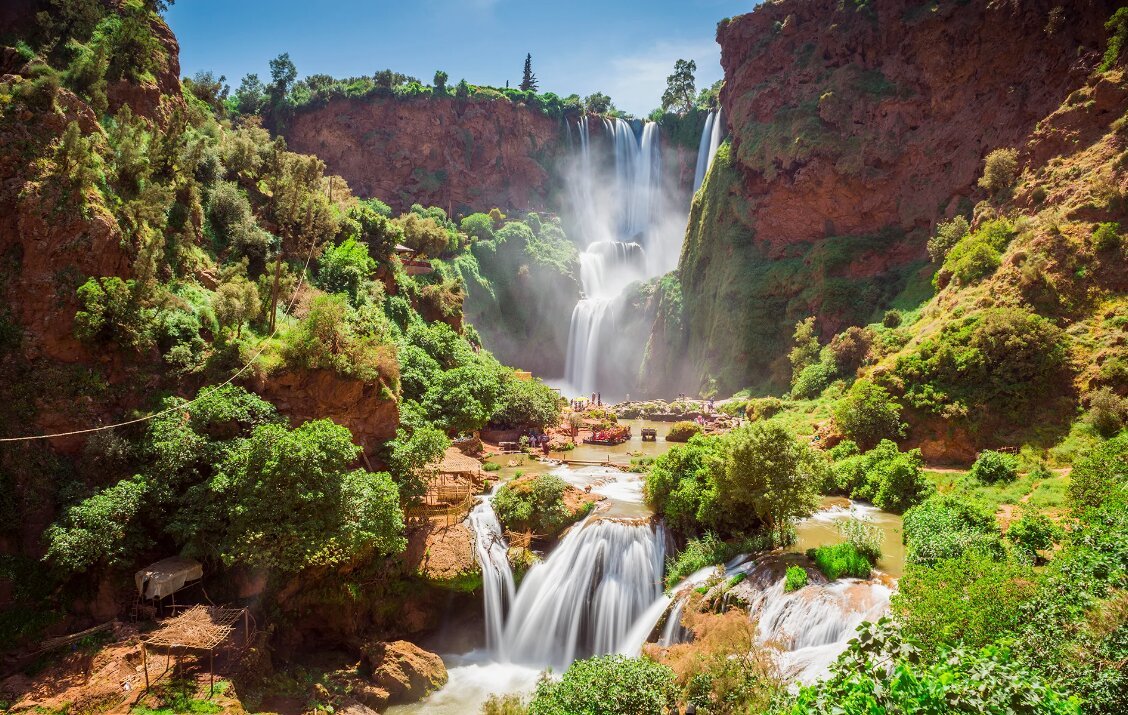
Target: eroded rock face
[
  {"x": 401, "y": 672},
  {"x": 854, "y": 131},
  {"x": 362, "y": 407},
  {"x": 442, "y": 152}
]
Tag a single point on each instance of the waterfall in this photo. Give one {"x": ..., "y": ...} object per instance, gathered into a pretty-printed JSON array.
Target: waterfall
[
  {"x": 617, "y": 215},
  {"x": 497, "y": 576},
  {"x": 711, "y": 137},
  {"x": 586, "y": 597},
  {"x": 703, "y": 157}
]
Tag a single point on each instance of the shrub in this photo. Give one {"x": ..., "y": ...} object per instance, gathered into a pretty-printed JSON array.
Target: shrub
[
  {"x": 841, "y": 560},
  {"x": 882, "y": 672},
  {"x": 1101, "y": 477},
  {"x": 345, "y": 268},
  {"x": 710, "y": 550},
  {"x": 535, "y": 505},
  {"x": 945, "y": 527},
  {"x": 889, "y": 478},
  {"x": 324, "y": 339},
  {"x": 1108, "y": 412},
  {"x": 678, "y": 484},
  {"x": 1117, "y": 28},
  {"x": 891, "y": 319},
  {"x": 763, "y": 408},
  {"x": 98, "y": 530},
  {"x": 1033, "y": 533},
  {"x": 993, "y": 467},
  {"x": 1000, "y": 169},
  {"x": 813, "y": 379},
  {"x": 795, "y": 579},
  {"x": 112, "y": 310},
  {"x": 867, "y": 414},
  {"x": 607, "y": 685},
  {"x": 682, "y": 431},
  {"x": 851, "y": 348},
  {"x": 973, "y": 598},
  {"x": 977, "y": 254},
  {"x": 948, "y": 234},
  {"x": 504, "y": 704},
  {"x": 806, "y": 350},
  {"x": 526, "y": 403},
  {"x": 478, "y": 226},
  {"x": 1106, "y": 237},
  {"x": 864, "y": 535}
]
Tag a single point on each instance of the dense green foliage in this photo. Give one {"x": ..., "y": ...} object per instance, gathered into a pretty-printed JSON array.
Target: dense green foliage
[
  {"x": 841, "y": 560},
  {"x": 882, "y": 672},
  {"x": 795, "y": 578},
  {"x": 756, "y": 478},
  {"x": 536, "y": 505},
  {"x": 607, "y": 685},
  {"x": 892, "y": 480},
  {"x": 945, "y": 527},
  {"x": 868, "y": 414},
  {"x": 682, "y": 431},
  {"x": 224, "y": 479},
  {"x": 992, "y": 467}
]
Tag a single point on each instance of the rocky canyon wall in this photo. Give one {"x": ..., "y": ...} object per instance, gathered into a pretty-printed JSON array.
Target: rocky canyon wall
[{"x": 855, "y": 127}]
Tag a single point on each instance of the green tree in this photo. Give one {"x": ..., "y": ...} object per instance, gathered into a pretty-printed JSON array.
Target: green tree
[
  {"x": 867, "y": 414},
  {"x": 680, "y": 484},
  {"x": 98, "y": 530},
  {"x": 299, "y": 505},
  {"x": 441, "y": 79},
  {"x": 1000, "y": 169},
  {"x": 993, "y": 467},
  {"x": 411, "y": 455},
  {"x": 1100, "y": 477},
  {"x": 526, "y": 404},
  {"x": 236, "y": 301},
  {"x": 282, "y": 76},
  {"x": 528, "y": 79},
  {"x": 680, "y": 89},
  {"x": 598, "y": 103},
  {"x": 806, "y": 350},
  {"x": 250, "y": 95},
  {"x": 478, "y": 226},
  {"x": 948, "y": 234},
  {"x": 345, "y": 268},
  {"x": 769, "y": 476},
  {"x": 607, "y": 685}
]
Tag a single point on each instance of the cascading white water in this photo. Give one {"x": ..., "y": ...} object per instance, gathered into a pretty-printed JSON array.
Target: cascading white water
[
  {"x": 491, "y": 551},
  {"x": 588, "y": 595},
  {"x": 711, "y": 137},
  {"x": 616, "y": 228},
  {"x": 703, "y": 157}
]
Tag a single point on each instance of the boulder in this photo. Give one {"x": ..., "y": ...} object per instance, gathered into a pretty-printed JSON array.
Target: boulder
[{"x": 401, "y": 671}]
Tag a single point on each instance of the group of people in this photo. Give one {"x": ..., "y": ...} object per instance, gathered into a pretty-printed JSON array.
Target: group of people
[{"x": 579, "y": 405}]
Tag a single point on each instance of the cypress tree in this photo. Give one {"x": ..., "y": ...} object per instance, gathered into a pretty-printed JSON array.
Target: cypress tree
[{"x": 528, "y": 79}]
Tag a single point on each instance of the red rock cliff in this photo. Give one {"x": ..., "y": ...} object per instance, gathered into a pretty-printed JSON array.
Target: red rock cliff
[
  {"x": 854, "y": 130},
  {"x": 434, "y": 151}
]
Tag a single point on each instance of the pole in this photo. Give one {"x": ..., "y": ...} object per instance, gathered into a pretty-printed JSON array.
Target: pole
[{"x": 145, "y": 664}]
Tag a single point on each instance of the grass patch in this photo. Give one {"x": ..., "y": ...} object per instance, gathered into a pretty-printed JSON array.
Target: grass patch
[{"x": 840, "y": 560}]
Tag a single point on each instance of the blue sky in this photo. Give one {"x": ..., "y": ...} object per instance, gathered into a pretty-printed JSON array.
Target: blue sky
[{"x": 625, "y": 49}]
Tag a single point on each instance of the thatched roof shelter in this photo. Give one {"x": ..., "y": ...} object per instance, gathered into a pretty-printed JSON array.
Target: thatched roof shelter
[{"x": 455, "y": 462}]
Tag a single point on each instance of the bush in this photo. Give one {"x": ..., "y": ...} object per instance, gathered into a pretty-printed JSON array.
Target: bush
[
  {"x": 1000, "y": 169},
  {"x": 891, "y": 319},
  {"x": 813, "y": 379},
  {"x": 682, "y": 431},
  {"x": 478, "y": 226},
  {"x": 678, "y": 484},
  {"x": 1106, "y": 237},
  {"x": 945, "y": 527},
  {"x": 1033, "y": 533},
  {"x": 345, "y": 268},
  {"x": 841, "y": 560},
  {"x": 504, "y": 704},
  {"x": 535, "y": 505},
  {"x": 1100, "y": 478},
  {"x": 325, "y": 340},
  {"x": 977, "y": 254},
  {"x": 864, "y": 535},
  {"x": 1108, "y": 412},
  {"x": 526, "y": 404},
  {"x": 882, "y": 672},
  {"x": 948, "y": 234},
  {"x": 993, "y": 467},
  {"x": 763, "y": 408},
  {"x": 867, "y": 414},
  {"x": 892, "y": 480},
  {"x": 607, "y": 685},
  {"x": 112, "y": 310},
  {"x": 710, "y": 550},
  {"x": 851, "y": 348},
  {"x": 971, "y": 599},
  {"x": 795, "y": 579}
]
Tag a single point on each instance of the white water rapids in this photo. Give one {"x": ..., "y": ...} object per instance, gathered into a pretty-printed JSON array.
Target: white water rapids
[{"x": 599, "y": 590}]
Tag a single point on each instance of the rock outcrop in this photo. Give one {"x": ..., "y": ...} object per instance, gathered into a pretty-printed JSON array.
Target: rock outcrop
[
  {"x": 461, "y": 155},
  {"x": 854, "y": 129},
  {"x": 400, "y": 672}
]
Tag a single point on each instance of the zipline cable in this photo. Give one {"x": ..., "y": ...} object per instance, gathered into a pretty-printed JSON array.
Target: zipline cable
[{"x": 210, "y": 389}]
